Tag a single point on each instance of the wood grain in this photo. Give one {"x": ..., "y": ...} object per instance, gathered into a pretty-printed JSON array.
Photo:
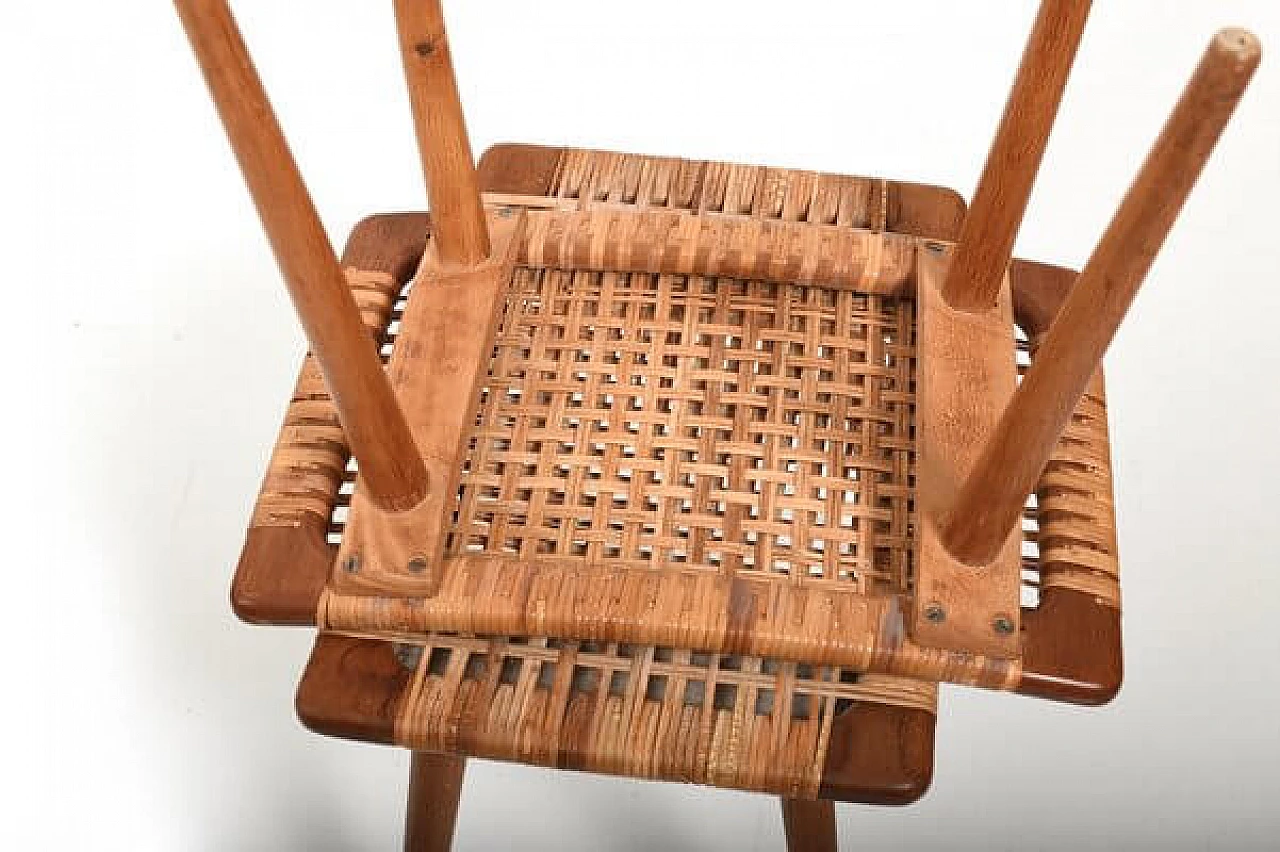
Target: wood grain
[
  {"x": 1000, "y": 202},
  {"x": 1072, "y": 649},
  {"x": 282, "y": 572},
  {"x": 436, "y": 368},
  {"x": 1039, "y": 289},
  {"x": 879, "y": 755},
  {"x": 374, "y": 426},
  {"x": 353, "y": 689},
  {"x": 965, "y": 375},
  {"x": 991, "y": 500},
  {"x": 462, "y": 237},
  {"x": 518, "y": 168}
]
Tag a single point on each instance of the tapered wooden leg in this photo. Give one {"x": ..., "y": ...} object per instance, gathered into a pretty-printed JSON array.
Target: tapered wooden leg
[
  {"x": 990, "y": 229},
  {"x": 372, "y": 422},
  {"x": 435, "y": 787},
  {"x": 991, "y": 500},
  {"x": 810, "y": 825},
  {"x": 461, "y": 233}
]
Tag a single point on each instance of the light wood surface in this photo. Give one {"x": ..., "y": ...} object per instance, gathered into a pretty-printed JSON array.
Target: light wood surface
[
  {"x": 373, "y": 424},
  {"x": 991, "y": 501},
  {"x": 991, "y": 228},
  {"x": 447, "y": 331},
  {"x": 447, "y": 164},
  {"x": 965, "y": 375}
]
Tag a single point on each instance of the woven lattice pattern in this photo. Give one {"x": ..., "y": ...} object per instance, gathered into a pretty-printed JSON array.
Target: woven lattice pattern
[
  {"x": 746, "y": 350},
  {"x": 645, "y": 712},
  {"x": 642, "y": 711},
  {"x": 723, "y": 425}
]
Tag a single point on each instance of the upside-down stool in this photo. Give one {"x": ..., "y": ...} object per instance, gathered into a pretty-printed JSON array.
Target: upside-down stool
[{"x": 690, "y": 471}]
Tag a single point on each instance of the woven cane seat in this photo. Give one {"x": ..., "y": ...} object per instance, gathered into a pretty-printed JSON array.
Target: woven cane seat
[
  {"x": 714, "y": 464},
  {"x": 693, "y": 471},
  {"x": 571, "y": 455}
]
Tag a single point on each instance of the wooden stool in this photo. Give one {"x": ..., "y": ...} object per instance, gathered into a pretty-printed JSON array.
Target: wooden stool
[{"x": 692, "y": 471}]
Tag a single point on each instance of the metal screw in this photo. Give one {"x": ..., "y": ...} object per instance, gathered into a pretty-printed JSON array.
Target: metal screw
[
  {"x": 936, "y": 248},
  {"x": 1004, "y": 625},
  {"x": 352, "y": 565},
  {"x": 417, "y": 565},
  {"x": 935, "y": 614},
  {"x": 505, "y": 212}
]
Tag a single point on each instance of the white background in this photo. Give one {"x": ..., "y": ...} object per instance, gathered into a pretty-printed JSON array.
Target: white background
[{"x": 149, "y": 347}]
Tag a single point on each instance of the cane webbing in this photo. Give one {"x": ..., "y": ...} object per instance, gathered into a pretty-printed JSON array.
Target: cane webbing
[
  {"x": 645, "y": 712},
  {"x": 724, "y": 426},
  {"x": 774, "y": 389},
  {"x": 709, "y": 463}
]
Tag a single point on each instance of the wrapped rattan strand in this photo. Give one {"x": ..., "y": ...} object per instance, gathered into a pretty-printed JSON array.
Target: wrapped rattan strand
[
  {"x": 675, "y": 242},
  {"x": 991, "y": 500},
  {"x": 598, "y": 711},
  {"x": 1075, "y": 524}
]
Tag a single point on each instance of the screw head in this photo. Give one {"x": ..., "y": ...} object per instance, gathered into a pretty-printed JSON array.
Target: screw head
[
  {"x": 934, "y": 613},
  {"x": 1004, "y": 625},
  {"x": 505, "y": 212},
  {"x": 352, "y": 564},
  {"x": 417, "y": 565}
]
